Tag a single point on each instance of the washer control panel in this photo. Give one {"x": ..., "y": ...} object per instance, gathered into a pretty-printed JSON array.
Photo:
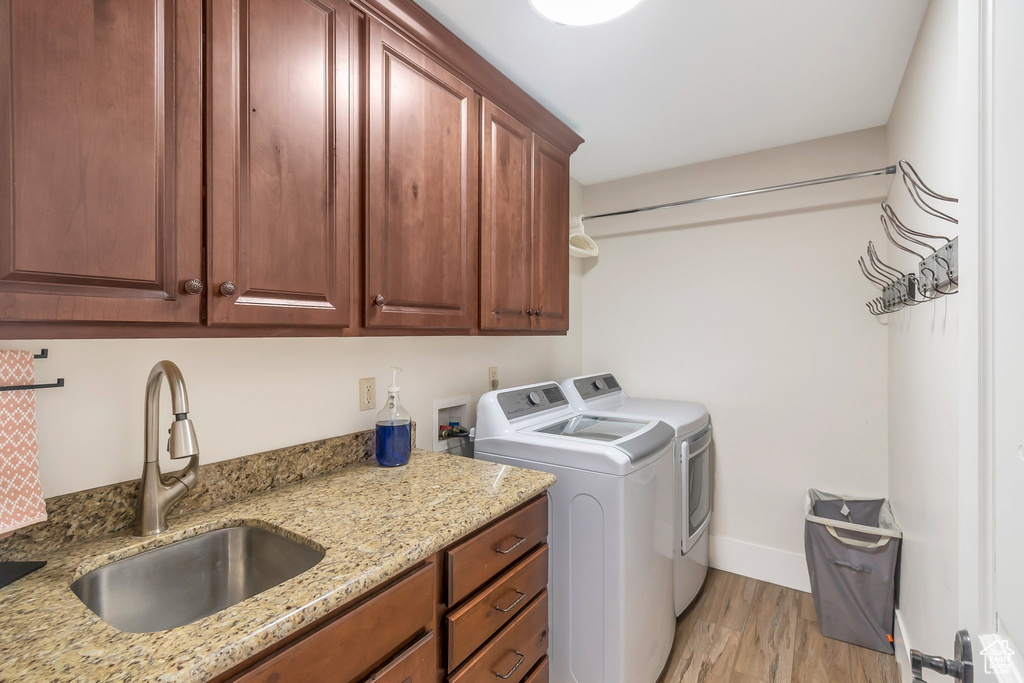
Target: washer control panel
[
  {"x": 596, "y": 385},
  {"x": 522, "y": 402}
]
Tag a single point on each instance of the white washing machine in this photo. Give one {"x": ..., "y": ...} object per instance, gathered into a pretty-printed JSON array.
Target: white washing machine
[
  {"x": 610, "y": 529},
  {"x": 601, "y": 394}
]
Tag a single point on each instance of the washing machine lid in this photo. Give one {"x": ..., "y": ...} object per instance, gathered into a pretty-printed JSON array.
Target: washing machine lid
[
  {"x": 685, "y": 417},
  {"x": 620, "y": 457},
  {"x": 637, "y": 439},
  {"x": 602, "y": 394},
  {"x": 595, "y": 427}
]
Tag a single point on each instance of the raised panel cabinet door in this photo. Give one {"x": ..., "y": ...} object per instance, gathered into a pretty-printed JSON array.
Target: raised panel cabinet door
[
  {"x": 100, "y": 160},
  {"x": 506, "y": 240},
  {"x": 550, "y": 237},
  {"x": 279, "y": 203},
  {"x": 422, "y": 193}
]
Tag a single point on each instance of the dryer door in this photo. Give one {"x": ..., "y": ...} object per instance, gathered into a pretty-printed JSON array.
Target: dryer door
[{"x": 695, "y": 458}]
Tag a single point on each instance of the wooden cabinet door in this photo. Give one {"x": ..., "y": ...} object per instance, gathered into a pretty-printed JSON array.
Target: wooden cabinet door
[
  {"x": 279, "y": 174},
  {"x": 550, "y": 237},
  {"x": 506, "y": 239},
  {"x": 421, "y": 223},
  {"x": 100, "y": 160}
]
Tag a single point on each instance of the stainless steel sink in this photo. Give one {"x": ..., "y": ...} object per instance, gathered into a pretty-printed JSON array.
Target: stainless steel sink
[{"x": 177, "y": 584}]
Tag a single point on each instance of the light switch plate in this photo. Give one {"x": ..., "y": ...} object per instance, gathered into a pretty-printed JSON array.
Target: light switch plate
[{"x": 367, "y": 393}]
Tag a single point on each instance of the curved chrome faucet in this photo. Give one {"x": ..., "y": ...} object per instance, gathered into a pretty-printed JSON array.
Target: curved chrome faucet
[{"x": 158, "y": 492}]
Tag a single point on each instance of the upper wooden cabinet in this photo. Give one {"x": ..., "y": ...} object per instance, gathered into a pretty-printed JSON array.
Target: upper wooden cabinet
[
  {"x": 421, "y": 214},
  {"x": 506, "y": 222},
  {"x": 270, "y": 167},
  {"x": 524, "y": 233},
  {"x": 100, "y": 160},
  {"x": 278, "y": 188},
  {"x": 550, "y": 237}
]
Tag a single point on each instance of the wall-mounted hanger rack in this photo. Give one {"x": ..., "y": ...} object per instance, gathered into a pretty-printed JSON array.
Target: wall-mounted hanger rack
[
  {"x": 888, "y": 170},
  {"x": 937, "y": 272},
  {"x": 44, "y": 353}
]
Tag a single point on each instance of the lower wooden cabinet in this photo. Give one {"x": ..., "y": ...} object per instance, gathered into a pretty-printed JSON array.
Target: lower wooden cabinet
[
  {"x": 416, "y": 664},
  {"x": 408, "y": 632},
  {"x": 540, "y": 672},
  {"x": 512, "y": 653},
  {"x": 481, "y": 616},
  {"x": 360, "y": 640}
]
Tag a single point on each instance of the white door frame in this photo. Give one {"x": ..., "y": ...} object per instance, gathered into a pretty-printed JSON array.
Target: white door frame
[
  {"x": 975, "y": 357},
  {"x": 977, "y": 602}
]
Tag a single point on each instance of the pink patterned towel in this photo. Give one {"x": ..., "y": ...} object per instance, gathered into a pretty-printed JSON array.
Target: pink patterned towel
[{"x": 21, "y": 496}]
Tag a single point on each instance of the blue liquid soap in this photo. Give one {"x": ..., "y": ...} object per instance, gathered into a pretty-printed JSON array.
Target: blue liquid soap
[
  {"x": 394, "y": 443},
  {"x": 394, "y": 429}
]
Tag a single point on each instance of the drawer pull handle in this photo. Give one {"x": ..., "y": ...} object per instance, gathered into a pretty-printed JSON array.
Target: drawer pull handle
[
  {"x": 514, "y": 546},
  {"x": 513, "y": 669},
  {"x": 518, "y": 600}
]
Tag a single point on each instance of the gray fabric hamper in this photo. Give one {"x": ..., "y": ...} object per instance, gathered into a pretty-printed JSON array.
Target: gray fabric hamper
[{"x": 852, "y": 547}]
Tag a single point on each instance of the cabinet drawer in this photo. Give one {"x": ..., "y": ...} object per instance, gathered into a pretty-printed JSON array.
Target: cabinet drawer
[
  {"x": 416, "y": 664},
  {"x": 539, "y": 673},
  {"x": 473, "y": 623},
  {"x": 476, "y": 561},
  {"x": 514, "y": 651},
  {"x": 351, "y": 645}
]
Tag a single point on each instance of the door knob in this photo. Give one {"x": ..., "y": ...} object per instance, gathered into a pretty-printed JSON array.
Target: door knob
[
  {"x": 193, "y": 286},
  {"x": 961, "y": 668},
  {"x": 379, "y": 300},
  {"x": 228, "y": 288}
]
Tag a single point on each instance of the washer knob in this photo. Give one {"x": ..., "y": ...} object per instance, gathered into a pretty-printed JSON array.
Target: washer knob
[
  {"x": 533, "y": 398},
  {"x": 599, "y": 384}
]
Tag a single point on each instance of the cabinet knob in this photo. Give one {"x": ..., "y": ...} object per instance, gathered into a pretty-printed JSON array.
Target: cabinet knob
[
  {"x": 194, "y": 286},
  {"x": 228, "y": 288},
  {"x": 536, "y": 312},
  {"x": 529, "y": 311},
  {"x": 379, "y": 300}
]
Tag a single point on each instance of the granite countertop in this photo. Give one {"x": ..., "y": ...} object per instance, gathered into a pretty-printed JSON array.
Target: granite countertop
[{"x": 374, "y": 523}]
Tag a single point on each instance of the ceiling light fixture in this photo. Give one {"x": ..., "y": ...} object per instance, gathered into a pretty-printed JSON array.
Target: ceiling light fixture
[{"x": 582, "y": 12}]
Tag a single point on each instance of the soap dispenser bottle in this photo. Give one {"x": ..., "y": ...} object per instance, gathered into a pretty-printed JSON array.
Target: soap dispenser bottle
[{"x": 394, "y": 429}]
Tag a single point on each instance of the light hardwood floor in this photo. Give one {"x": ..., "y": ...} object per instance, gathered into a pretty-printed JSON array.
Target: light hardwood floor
[{"x": 741, "y": 630}]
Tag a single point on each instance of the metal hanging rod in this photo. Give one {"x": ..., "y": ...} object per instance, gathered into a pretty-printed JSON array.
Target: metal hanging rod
[
  {"x": 888, "y": 170},
  {"x": 43, "y": 353}
]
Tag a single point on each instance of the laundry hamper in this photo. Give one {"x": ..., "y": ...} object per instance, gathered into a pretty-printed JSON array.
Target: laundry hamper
[{"x": 852, "y": 547}]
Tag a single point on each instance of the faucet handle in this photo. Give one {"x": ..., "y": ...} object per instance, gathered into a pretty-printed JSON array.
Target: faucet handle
[{"x": 182, "y": 442}]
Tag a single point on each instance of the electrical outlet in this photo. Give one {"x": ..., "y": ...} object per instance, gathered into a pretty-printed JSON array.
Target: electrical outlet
[
  {"x": 367, "y": 393},
  {"x": 492, "y": 377}
]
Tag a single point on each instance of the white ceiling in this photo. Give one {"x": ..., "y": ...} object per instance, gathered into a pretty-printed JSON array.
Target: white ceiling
[{"x": 676, "y": 82}]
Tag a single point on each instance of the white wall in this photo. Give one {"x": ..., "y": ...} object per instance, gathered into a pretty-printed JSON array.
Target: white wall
[
  {"x": 923, "y": 349},
  {"x": 251, "y": 395},
  {"x": 754, "y": 307}
]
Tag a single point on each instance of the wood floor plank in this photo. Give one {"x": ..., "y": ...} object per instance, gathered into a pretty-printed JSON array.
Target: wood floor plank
[
  {"x": 684, "y": 627},
  {"x": 868, "y": 666},
  {"x": 807, "y": 608},
  {"x": 737, "y": 677},
  {"x": 767, "y": 641},
  {"x": 777, "y": 640},
  {"x": 708, "y": 656},
  {"x": 817, "y": 658},
  {"x": 727, "y": 600}
]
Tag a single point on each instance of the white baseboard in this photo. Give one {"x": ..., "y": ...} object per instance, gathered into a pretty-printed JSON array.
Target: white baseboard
[
  {"x": 902, "y": 645},
  {"x": 760, "y": 562}
]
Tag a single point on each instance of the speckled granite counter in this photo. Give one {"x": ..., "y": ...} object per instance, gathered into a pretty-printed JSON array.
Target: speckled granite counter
[{"x": 374, "y": 523}]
